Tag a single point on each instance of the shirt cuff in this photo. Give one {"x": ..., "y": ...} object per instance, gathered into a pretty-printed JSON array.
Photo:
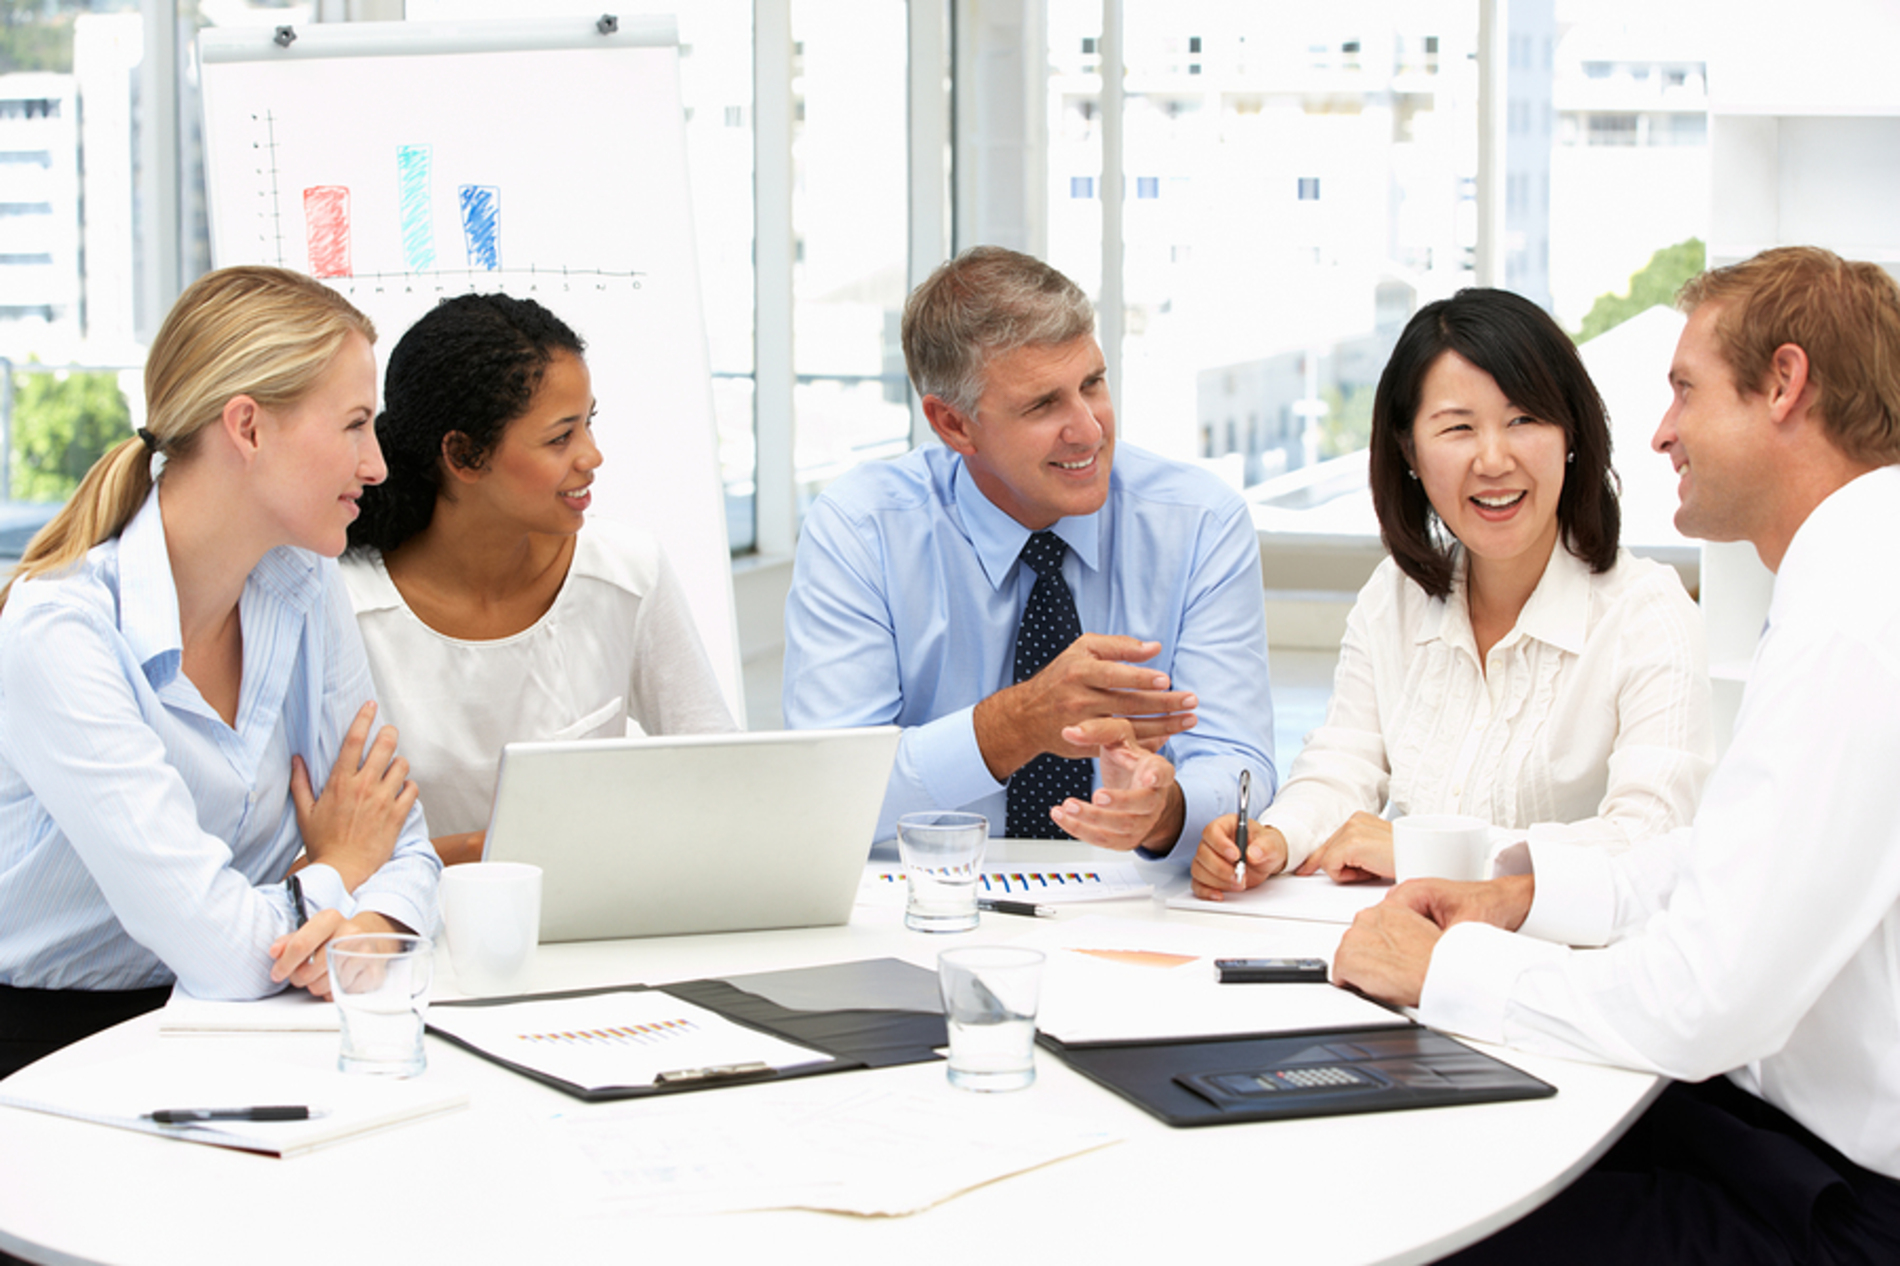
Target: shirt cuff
[
  {"x": 1468, "y": 983},
  {"x": 324, "y": 889},
  {"x": 1575, "y": 900},
  {"x": 947, "y": 760}
]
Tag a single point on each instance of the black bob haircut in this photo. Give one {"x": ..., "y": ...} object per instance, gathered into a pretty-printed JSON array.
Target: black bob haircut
[{"x": 1536, "y": 366}]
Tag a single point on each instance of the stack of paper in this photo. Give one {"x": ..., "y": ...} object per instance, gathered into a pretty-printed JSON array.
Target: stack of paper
[
  {"x": 834, "y": 1147},
  {"x": 1123, "y": 980}
]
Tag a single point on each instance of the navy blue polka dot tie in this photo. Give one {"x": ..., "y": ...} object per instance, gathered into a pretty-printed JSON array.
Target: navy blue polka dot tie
[{"x": 1049, "y": 625}]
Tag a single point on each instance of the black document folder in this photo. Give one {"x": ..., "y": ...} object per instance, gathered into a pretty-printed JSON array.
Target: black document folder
[
  {"x": 1260, "y": 1078},
  {"x": 875, "y": 1013}
]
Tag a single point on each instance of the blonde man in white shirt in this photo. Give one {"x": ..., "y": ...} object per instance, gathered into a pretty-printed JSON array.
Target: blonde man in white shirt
[
  {"x": 493, "y": 611},
  {"x": 1509, "y": 660},
  {"x": 1763, "y": 941}
]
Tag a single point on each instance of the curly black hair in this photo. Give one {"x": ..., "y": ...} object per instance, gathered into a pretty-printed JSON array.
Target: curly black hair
[{"x": 455, "y": 381}]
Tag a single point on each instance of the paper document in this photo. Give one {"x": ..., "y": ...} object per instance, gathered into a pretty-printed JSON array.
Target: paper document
[
  {"x": 620, "y": 1038},
  {"x": 292, "y": 1011},
  {"x": 1124, "y": 980},
  {"x": 834, "y": 1148},
  {"x": 1312, "y": 897},
  {"x": 1050, "y": 884},
  {"x": 120, "y": 1092}
]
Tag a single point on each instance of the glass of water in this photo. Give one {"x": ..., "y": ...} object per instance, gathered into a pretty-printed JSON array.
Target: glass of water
[
  {"x": 381, "y": 986},
  {"x": 990, "y": 993},
  {"x": 942, "y": 852}
]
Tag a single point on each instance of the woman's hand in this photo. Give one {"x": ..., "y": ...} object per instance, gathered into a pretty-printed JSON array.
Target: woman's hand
[
  {"x": 1358, "y": 851},
  {"x": 302, "y": 957},
  {"x": 456, "y": 849},
  {"x": 1213, "y": 869},
  {"x": 353, "y": 825}
]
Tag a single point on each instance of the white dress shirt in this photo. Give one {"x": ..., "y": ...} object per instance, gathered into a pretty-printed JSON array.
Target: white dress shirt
[
  {"x": 1588, "y": 723},
  {"x": 618, "y": 644},
  {"x": 1763, "y": 940},
  {"x": 142, "y": 839}
]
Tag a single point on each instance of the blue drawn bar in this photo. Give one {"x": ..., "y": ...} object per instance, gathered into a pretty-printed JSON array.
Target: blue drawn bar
[
  {"x": 412, "y": 207},
  {"x": 481, "y": 215}
]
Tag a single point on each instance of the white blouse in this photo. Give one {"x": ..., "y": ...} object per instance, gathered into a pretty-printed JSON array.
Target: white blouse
[
  {"x": 617, "y": 644},
  {"x": 1588, "y": 725}
]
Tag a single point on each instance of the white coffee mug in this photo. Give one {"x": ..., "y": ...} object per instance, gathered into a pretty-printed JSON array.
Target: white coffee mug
[
  {"x": 1441, "y": 846},
  {"x": 491, "y": 915}
]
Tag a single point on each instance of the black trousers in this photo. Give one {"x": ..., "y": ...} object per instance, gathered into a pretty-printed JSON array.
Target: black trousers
[
  {"x": 37, "y": 1022},
  {"x": 1710, "y": 1174}
]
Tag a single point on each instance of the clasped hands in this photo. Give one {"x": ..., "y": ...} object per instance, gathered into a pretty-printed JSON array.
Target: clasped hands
[
  {"x": 353, "y": 828},
  {"x": 1095, "y": 702}
]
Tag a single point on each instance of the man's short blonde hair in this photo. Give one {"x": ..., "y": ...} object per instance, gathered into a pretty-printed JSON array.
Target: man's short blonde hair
[{"x": 1844, "y": 315}]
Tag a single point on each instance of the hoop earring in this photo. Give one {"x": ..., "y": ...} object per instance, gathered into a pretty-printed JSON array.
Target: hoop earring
[{"x": 1572, "y": 459}]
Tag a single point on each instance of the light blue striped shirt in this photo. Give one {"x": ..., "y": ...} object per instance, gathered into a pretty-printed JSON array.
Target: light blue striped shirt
[
  {"x": 907, "y": 592},
  {"x": 142, "y": 839}
]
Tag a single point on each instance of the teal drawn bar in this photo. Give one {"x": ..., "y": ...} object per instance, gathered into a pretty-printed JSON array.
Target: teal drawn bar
[{"x": 417, "y": 226}]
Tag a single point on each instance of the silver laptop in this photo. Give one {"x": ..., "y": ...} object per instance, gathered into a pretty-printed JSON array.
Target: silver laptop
[{"x": 692, "y": 833}]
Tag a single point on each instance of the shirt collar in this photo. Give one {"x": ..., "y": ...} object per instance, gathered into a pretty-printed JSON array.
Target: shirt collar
[
  {"x": 148, "y": 594},
  {"x": 998, "y": 538},
  {"x": 1556, "y": 613}
]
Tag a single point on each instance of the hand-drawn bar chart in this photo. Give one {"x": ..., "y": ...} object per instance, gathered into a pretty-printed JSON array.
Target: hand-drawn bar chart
[
  {"x": 339, "y": 234},
  {"x": 326, "y": 214}
]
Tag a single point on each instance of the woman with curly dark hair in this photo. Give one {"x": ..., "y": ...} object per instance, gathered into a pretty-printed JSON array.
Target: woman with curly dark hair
[{"x": 494, "y": 610}]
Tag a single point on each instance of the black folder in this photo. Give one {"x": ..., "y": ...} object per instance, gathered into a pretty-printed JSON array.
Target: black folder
[
  {"x": 874, "y": 1013},
  {"x": 1263, "y": 1077}
]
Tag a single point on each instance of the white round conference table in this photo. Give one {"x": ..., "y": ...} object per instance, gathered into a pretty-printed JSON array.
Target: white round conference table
[{"x": 497, "y": 1182}]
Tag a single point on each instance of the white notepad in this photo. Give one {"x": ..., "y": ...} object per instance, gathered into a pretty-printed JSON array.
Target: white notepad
[
  {"x": 1314, "y": 898},
  {"x": 120, "y": 1092},
  {"x": 292, "y": 1011}
]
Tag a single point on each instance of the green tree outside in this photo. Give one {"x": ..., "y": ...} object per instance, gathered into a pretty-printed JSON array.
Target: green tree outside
[
  {"x": 63, "y": 422},
  {"x": 1347, "y": 426},
  {"x": 1654, "y": 284}
]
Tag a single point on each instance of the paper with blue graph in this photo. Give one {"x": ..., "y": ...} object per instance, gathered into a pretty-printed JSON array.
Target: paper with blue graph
[
  {"x": 618, "y": 1038},
  {"x": 1053, "y": 883}
]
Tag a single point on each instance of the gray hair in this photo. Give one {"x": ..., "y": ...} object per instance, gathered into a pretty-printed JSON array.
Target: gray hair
[{"x": 987, "y": 302}]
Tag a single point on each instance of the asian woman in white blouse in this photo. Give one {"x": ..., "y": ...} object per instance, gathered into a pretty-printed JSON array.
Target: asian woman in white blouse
[
  {"x": 1509, "y": 661},
  {"x": 494, "y": 610}
]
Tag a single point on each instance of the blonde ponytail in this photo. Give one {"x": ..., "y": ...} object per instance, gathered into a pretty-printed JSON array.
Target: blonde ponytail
[{"x": 266, "y": 333}]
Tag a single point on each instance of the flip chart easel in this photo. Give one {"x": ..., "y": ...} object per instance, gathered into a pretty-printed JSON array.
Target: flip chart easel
[{"x": 406, "y": 162}]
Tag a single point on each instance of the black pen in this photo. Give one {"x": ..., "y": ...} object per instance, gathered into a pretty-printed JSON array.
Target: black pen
[
  {"x": 296, "y": 900},
  {"x": 192, "y": 1116},
  {"x": 1240, "y": 827},
  {"x": 1028, "y": 909}
]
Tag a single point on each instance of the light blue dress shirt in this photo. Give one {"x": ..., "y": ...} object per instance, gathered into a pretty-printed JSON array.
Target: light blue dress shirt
[
  {"x": 142, "y": 839},
  {"x": 907, "y": 592}
]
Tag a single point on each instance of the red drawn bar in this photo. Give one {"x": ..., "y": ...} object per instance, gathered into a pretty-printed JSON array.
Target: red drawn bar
[{"x": 326, "y": 213}]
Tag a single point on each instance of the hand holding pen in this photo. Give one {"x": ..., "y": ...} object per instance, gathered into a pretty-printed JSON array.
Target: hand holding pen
[{"x": 1240, "y": 827}]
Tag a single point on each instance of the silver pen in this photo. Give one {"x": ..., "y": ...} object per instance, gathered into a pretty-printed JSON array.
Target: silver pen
[{"x": 1240, "y": 827}]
